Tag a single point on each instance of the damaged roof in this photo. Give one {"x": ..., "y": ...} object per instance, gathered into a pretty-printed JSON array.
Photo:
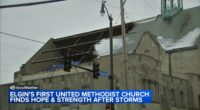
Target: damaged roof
[
  {"x": 181, "y": 31},
  {"x": 178, "y": 32}
]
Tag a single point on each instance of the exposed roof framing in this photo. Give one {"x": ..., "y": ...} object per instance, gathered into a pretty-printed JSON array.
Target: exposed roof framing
[{"x": 82, "y": 45}]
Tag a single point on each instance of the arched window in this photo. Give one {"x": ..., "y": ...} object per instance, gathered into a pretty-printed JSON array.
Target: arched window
[
  {"x": 164, "y": 93},
  {"x": 164, "y": 90},
  {"x": 182, "y": 99},
  {"x": 199, "y": 101},
  {"x": 173, "y": 98},
  {"x": 117, "y": 87},
  {"x": 153, "y": 88},
  {"x": 157, "y": 92}
]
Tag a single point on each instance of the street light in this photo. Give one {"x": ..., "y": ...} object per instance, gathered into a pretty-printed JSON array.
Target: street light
[
  {"x": 111, "y": 77},
  {"x": 102, "y": 12}
]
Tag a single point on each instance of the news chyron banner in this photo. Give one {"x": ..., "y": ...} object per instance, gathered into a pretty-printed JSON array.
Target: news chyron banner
[{"x": 35, "y": 95}]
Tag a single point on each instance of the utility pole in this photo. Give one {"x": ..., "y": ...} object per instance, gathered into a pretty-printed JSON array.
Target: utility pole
[
  {"x": 123, "y": 28},
  {"x": 111, "y": 77}
]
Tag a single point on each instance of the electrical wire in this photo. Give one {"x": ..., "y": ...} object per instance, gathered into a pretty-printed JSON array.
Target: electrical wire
[
  {"x": 113, "y": 6},
  {"x": 129, "y": 18},
  {"x": 29, "y": 4},
  {"x": 127, "y": 13},
  {"x": 24, "y": 38},
  {"x": 117, "y": 19},
  {"x": 116, "y": 7},
  {"x": 150, "y": 5},
  {"x": 10, "y": 45}
]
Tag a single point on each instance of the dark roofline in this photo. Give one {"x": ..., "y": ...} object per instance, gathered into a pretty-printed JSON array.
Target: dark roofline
[
  {"x": 182, "y": 49},
  {"x": 54, "y": 41},
  {"x": 130, "y": 24}
]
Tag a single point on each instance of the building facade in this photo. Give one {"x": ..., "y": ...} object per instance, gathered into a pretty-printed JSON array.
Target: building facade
[{"x": 170, "y": 69}]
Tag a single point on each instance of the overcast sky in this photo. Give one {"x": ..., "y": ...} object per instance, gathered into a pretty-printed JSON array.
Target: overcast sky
[{"x": 56, "y": 20}]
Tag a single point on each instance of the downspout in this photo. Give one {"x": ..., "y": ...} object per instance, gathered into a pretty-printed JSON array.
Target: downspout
[
  {"x": 171, "y": 7},
  {"x": 170, "y": 65}
]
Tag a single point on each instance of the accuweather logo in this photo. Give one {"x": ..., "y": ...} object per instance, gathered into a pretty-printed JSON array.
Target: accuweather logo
[
  {"x": 12, "y": 87},
  {"x": 23, "y": 87}
]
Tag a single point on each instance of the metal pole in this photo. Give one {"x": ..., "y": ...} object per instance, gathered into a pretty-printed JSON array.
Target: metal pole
[
  {"x": 111, "y": 49},
  {"x": 124, "y": 46},
  {"x": 111, "y": 58}
]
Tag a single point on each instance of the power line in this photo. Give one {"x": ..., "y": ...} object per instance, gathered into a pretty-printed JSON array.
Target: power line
[
  {"x": 22, "y": 37},
  {"x": 10, "y": 45},
  {"x": 129, "y": 18},
  {"x": 29, "y": 4},
  {"x": 117, "y": 19},
  {"x": 113, "y": 6},
  {"x": 128, "y": 13},
  {"x": 150, "y": 5},
  {"x": 116, "y": 7}
]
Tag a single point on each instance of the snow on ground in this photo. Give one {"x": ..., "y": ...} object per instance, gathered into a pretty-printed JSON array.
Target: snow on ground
[{"x": 186, "y": 41}]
